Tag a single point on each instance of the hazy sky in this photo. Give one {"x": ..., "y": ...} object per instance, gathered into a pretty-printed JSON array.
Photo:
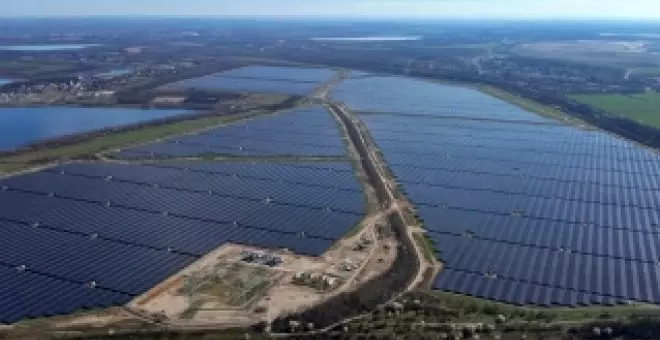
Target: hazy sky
[{"x": 647, "y": 9}]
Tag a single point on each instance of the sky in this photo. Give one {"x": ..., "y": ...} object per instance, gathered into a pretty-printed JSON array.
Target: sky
[{"x": 606, "y": 9}]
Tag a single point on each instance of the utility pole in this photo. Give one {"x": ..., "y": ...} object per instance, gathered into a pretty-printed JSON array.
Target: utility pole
[{"x": 268, "y": 320}]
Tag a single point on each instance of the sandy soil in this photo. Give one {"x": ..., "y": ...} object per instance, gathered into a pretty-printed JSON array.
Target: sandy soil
[
  {"x": 287, "y": 297},
  {"x": 284, "y": 295}
]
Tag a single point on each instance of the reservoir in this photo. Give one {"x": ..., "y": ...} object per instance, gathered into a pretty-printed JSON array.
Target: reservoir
[
  {"x": 45, "y": 48},
  {"x": 21, "y": 126}
]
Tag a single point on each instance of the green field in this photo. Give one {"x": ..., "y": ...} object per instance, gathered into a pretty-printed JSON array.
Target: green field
[{"x": 642, "y": 107}]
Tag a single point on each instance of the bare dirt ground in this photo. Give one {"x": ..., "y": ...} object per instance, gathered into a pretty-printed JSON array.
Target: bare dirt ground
[
  {"x": 288, "y": 297},
  {"x": 166, "y": 300},
  {"x": 401, "y": 207}
]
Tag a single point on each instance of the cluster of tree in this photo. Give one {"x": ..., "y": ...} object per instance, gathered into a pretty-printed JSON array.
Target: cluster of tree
[
  {"x": 635, "y": 328},
  {"x": 23, "y": 84},
  {"x": 143, "y": 92}
]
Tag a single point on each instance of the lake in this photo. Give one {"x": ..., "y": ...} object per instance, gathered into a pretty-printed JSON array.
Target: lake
[
  {"x": 21, "y": 126},
  {"x": 370, "y": 39},
  {"x": 45, "y": 48}
]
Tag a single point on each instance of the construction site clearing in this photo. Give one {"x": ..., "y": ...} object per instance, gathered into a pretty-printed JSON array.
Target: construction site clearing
[{"x": 238, "y": 285}]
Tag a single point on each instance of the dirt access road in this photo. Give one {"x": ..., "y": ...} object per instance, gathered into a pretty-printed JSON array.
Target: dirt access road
[{"x": 391, "y": 201}]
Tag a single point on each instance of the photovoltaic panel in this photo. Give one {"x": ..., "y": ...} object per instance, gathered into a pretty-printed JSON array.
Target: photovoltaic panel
[
  {"x": 125, "y": 228},
  {"x": 247, "y": 85},
  {"x": 309, "y": 131},
  {"x": 28, "y": 294},
  {"x": 521, "y": 209},
  {"x": 407, "y": 96},
  {"x": 299, "y": 74},
  {"x": 266, "y": 79}
]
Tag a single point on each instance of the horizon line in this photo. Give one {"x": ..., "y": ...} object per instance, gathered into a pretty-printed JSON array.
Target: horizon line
[{"x": 332, "y": 17}]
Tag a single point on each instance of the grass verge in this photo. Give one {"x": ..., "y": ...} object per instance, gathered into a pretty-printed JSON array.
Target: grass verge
[
  {"x": 529, "y": 105},
  {"x": 426, "y": 245},
  {"x": 472, "y": 308},
  {"x": 104, "y": 143}
]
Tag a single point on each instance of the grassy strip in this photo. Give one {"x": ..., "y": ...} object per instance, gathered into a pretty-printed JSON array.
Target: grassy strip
[
  {"x": 475, "y": 307},
  {"x": 528, "y": 105},
  {"x": 211, "y": 156},
  {"x": 426, "y": 245},
  {"x": 96, "y": 145}
]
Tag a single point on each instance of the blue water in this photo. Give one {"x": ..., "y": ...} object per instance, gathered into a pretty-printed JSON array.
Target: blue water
[
  {"x": 20, "y": 126},
  {"x": 45, "y": 48},
  {"x": 4, "y": 81}
]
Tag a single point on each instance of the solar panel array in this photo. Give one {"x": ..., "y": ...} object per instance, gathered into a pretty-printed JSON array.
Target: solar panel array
[
  {"x": 269, "y": 79},
  {"x": 298, "y": 74},
  {"x": 526, "y": 213},
  {"x": 412, "y": 97},
  {"x": 94, "y": 235},
  {"x": 308, "y": 131}
]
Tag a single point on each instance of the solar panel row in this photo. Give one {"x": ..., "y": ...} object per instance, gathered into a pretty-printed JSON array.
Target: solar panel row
[
  {"x": 428, "y": 184},
  {"x": 247, "y": 85},
  {"x": 231, "y": 174},
  {"x": 407, "y": 96},
  {"x": 300, "y": 74},
  {"x": 527, "y": 213},
  {"x": 617, "y": 278},
  {"x": 509, "y": 291},
  {"x": 211, "y": 202},
  {"x": 287, "y": 80},
  {"x": 27, "y": 294},
  {"x": 307, "y": 131},
  {"x": 126, "y": 228},
  {"x": 555, "y": 236},
  {"x": 148, "y": 229},
  {"x": 490, "y": 149},
  {"x": 81, "y": 259}
]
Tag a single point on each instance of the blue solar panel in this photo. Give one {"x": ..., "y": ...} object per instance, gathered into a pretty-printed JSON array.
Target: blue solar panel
[
  {"x": 407, "y": 96},
  {"x": 309, "y": 131},
  {"x": 287, "y": 80},
  {"x": 128, "y": 227},
  {"x": 28, "y": 294},
  {"x": 522, "y": 209},
  {"x": 248, "y": 85},
  {"x": 300, "y": 74}
]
